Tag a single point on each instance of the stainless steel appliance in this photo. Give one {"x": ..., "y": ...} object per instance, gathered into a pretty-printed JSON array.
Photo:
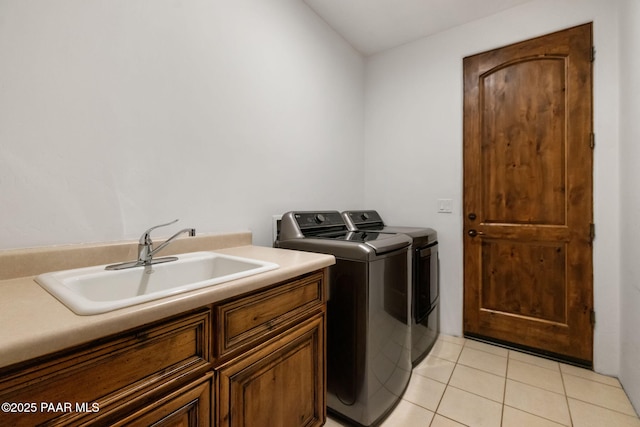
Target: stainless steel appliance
[
  {"x": 368, "y": 330},
  {"x": 425, "y": 318}
]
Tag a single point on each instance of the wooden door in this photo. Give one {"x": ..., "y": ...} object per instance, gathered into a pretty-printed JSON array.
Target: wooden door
[{"x": 528, "y": 204}]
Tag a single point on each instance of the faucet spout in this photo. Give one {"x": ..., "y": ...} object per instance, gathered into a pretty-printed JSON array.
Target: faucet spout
[
  {"x": 190, "y": 231},
  {"x": 145, "y": 239},
  {"x": 146, "y": 251}
]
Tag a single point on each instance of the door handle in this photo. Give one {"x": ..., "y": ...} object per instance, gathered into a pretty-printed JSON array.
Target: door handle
[{"x": 474, "y": 233}]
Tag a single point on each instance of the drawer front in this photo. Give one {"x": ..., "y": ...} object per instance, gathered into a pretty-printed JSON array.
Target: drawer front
[
  {"x": 243, "y": 321},
  {"x": 95, "y": 380},
  {"x": 190, "y": 406}
]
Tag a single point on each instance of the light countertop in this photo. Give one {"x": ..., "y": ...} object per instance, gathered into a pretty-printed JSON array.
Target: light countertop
[{"x": 34, "y": 323}]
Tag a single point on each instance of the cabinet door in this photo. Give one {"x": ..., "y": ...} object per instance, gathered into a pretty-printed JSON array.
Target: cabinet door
[
  {"x": 188, "y": 407},
  {"x": 281, "y": 383}
]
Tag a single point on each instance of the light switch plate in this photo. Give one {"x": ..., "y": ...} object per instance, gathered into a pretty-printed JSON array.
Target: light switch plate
[{"x": 445, "y": 205}]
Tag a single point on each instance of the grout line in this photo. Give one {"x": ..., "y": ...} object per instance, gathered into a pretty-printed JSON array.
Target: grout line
[
  {"x": 451, "y": 419},
  {"x": 603, "y": 407},
  {"x": 448, "y": 380},
  {"x": 476, "y": 394},
  {"x": 487, "y": 352},
  {"x": 533, "y": 364},
  {"x": 504, "y": 389},
  {"x": 539, "y": 416},
  {"x": 566, "y": 397},
  {"x": 592, "y": 380},
  {"x": 564, "y": 393}
]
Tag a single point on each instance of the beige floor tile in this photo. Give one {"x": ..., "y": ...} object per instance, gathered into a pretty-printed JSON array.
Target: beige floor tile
[
  {"x": 536, "y": 401},
  {"x": 535, "y": 375},
  {"x": 424, "y": 392},
  {"x": 470, "y": 409},
  {"x": 407, "y": 414},
  {"x": 598, "y": 394},
  {"x": 332, "y": 422},
  {"x": 435, "y": 368},
  {"x": 452, "y": 339},
  {"x": 587, "y": 415},
  {"x": 446, "y": 350},
  {"x": 589, "y": 375},
  {"x": 484, "y": 361},
  {"x": 498, "y": 351},
  {"x": 440, "y": 421},
  {"x": 478, "y": 382},
  {"x": 512, "y": 417},
  {"x": 534, "y": 360}
]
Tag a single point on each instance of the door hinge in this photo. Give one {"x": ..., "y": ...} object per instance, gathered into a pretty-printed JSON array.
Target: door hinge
[
  {"x": 593, "y": 318},
  {"x": 592, "y": 140},
  {"x": 593, "y": 53},
  {"x": 592, "y": 232}
]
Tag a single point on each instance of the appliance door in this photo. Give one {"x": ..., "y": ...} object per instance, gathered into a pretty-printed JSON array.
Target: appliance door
[{"x": 426, "y": 280}]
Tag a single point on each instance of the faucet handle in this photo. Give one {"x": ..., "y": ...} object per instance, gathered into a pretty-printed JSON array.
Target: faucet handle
[{"x": 145, "y": 239}]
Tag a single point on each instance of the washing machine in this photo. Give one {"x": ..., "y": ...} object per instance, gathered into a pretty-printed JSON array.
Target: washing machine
[{"x": 368, "y": 312}]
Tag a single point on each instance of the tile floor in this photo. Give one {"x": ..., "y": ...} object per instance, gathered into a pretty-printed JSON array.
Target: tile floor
[{"x": 468, "y": 383}]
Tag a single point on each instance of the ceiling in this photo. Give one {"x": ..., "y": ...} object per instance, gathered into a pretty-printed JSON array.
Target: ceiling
[{"x": 375, "y": 25}]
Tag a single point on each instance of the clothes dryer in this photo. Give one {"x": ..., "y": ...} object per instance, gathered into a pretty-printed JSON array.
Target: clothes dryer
[{"x": 425, "y": 315}]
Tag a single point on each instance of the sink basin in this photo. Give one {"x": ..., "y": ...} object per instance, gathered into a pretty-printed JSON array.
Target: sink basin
[{"x": 94, "y": 290}]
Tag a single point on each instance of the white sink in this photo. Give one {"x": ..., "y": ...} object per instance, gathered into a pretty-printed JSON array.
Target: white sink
[{"x": 94, "y": 290}]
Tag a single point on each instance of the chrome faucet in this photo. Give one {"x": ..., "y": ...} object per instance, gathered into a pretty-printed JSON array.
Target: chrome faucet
[{"x": 146, "y": 250}]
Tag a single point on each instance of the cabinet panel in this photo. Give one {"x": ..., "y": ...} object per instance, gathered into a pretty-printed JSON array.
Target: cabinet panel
[
  {"x": 110, "y": 373},
  {"x": 189, "y": 406},
  {"x": 243, "y": 320},
  {"x": 281, "y": 383}
]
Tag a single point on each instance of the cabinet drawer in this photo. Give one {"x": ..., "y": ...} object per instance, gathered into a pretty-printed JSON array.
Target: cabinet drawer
[
  {"x": 189, "y": 406},
  {"x": 109, "y": 373},
  {"x": 243, "y": 321}
]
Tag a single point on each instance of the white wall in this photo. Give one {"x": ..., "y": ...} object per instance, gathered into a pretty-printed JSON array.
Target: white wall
[
  {"x": 630, "y": 203},
  {"x": 116, "y": 115},
  {"x": 413, "y": 134}
]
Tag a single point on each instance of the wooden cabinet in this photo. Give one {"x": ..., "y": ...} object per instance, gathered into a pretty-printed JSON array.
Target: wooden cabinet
[
  {"x": 278, "y": 384},
  {"x": 223, "y": 365}
]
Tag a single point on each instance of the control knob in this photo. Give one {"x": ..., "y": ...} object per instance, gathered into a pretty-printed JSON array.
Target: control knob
[{"x": 319, "y": 218}]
